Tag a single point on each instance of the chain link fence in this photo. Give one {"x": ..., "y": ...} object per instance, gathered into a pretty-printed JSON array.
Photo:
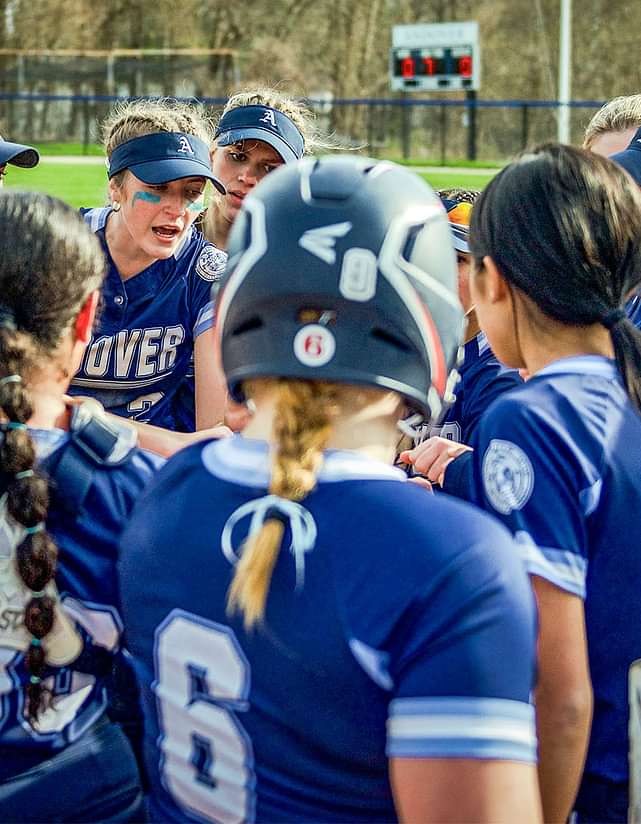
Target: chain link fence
[{"x": 433, "y": 131}]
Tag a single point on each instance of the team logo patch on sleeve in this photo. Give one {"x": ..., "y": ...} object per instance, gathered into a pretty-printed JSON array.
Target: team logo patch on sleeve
[
  {"x": 211, "y": 263},
  {"x": 508, "y": 476}
]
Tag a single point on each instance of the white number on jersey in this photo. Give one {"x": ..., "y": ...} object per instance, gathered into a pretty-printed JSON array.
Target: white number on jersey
[{"x": 202, "y": 681}]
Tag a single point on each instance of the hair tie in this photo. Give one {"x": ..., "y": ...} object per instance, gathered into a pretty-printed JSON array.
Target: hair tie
[
  {"x": 38, "y": 593},
  {"x": 10, "y": 379},
  {"x": 13, "y": 425},
  {"x": 26, "y": 473},
  {"x": 35, "y": 679},
  {"x": 7, "y": 319},
  {"x": 31, "y": 530},
  {"x": 36, "y": 642},
  {"x": 613, "y": 318}
]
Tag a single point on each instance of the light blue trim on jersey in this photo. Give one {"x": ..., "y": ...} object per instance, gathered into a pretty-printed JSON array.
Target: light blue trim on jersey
[
  {"x": 461, "y": 727},
  {"x": 565, "y": 569},
  {"x": 374, "y": 662},
  {"x": 97, "y": 217},
  {"x": 482, "y": 342},
  {"x": 595, "y": 365},
  {"x": 590, "y": 496},
  {"x": 246, "y": 462},
  {"x": 205, "y": 319}
]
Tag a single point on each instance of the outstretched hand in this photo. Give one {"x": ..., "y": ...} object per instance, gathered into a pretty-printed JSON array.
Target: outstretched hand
[{"x": 432, "y": 457}]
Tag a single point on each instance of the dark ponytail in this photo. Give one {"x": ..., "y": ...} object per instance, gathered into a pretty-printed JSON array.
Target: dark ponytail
[
  {"x": 49, "y": 265},
  {"x": 626, "y": 339},
  {"x": 563, "y": 225}
]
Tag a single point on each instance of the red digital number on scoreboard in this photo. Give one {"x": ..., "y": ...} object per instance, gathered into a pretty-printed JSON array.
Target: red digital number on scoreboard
[
  {"x": 430, "y": 65},
  {"x": 407, "y": 67},
  {"x": 465, "y": 65}
]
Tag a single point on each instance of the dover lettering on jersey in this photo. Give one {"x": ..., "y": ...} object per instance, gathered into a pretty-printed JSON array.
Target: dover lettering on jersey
[{"x": 142, "y": 356}]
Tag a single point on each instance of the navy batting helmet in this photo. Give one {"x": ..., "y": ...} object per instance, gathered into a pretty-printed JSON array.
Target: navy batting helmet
[{"x": 342, "y": 269}]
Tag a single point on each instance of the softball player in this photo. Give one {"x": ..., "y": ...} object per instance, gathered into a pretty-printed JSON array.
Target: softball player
[
  {"x": 558, "y": 459},
  {"x": 62, "y": 759},
  {"x": 259, "y": 131},
  {"x": 156, "y": 312},
  {"x": 313, "y": 652}
]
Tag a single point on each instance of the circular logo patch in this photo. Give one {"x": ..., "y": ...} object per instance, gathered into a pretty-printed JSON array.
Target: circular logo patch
[
  {"x": 314, "y": 345},
  {"x": 508, "y": 476},
  {"x": 211, "y": 263}
]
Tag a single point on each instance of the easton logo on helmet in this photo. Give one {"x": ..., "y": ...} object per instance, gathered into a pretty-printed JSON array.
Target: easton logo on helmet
[{"x": 322, "y": 241}]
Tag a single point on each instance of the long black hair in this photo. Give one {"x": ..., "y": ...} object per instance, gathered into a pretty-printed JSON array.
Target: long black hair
[
  {"x": 563, "y": 225},
  {"x": 50, "y": 262}
]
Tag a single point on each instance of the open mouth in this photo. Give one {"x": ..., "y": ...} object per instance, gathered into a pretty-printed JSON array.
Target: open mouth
[{"x": 166, "y": 233}]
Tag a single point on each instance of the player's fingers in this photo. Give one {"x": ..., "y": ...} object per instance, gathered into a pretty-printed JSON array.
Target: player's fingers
[
  {"x": 411, "y": 456},
  {"x": 439, "y": 465},
  {"x": 423, "y": 482}
]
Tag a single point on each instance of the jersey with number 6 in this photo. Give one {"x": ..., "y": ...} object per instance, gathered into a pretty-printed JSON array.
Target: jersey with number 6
[
  {"x": 138, "y": 360},
  {"x": 559, "y": 461},
  {"x": 87, "y": 546},
  {"x": 384, "y": 635}
]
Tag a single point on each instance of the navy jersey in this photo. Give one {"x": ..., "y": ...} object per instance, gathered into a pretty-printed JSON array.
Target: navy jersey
[
  {"x": 482, "y": 379},
  {"x": 86, "y": 581},
  {"x": 633, "y": 310},
  {"x": 371, "y": 647},
  {"x": 143, "y": 345},
  {"x": 559, "y": 461}
]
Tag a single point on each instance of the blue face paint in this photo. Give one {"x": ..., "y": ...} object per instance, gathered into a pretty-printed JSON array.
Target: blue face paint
[
  {"x": 148, "y": 197},
  {"x": 198, "y": 206}
]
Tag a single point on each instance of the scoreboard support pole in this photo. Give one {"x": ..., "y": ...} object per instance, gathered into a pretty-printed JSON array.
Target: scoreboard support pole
[
  {"x": 470, "y": 99},
  {"x": 406, "y": 127}
]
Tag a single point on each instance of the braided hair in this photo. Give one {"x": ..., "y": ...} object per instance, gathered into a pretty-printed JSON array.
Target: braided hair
[{"x": 50, "y": 262}]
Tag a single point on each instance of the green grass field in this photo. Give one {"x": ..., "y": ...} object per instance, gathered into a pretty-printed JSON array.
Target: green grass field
[{"x": 85, "y": 184}]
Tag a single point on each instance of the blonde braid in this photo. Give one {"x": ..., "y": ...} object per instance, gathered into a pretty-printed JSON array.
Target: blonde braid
[{"x": 303, "y": 420}]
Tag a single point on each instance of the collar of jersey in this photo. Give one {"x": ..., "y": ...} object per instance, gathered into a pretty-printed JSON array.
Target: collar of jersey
[
  {"x": 47, "y": 441},
  {"x": 246, "y": 462},
  {"x": 595, "y": 365}
]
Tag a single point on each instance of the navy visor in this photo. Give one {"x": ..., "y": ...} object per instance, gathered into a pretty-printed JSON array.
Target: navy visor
[
  {"x": 630, "y": 158},
  {"x": 164, "y": 156},
  {"x": 262, "y": 123},
  {"x": 18, "y": 155}
]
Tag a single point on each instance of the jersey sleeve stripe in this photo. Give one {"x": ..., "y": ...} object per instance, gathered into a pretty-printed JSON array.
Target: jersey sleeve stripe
[
  {"x": 205, "y": 319},
  {"x": 565, "y": 569},
  {"x": 462, "y": 728}
]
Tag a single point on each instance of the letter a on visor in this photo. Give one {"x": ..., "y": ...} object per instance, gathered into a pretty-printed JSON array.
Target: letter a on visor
[
  {"x": 262, "y": 123},
  {"x": 164, "y": 156}
]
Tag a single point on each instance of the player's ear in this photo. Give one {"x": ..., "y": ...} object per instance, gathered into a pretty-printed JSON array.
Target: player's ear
[
  {"x": 495, "y": 286},
  {"x": 84, "y": 321}
]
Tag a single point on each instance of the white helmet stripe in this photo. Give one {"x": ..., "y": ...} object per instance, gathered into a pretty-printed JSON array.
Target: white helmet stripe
[
  {"x": 254, "y": 252},
  {"x": 394, "y": 269}
]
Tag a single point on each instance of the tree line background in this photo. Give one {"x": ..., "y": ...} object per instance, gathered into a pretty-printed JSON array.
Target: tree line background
[{"x": 310, "y": 47}]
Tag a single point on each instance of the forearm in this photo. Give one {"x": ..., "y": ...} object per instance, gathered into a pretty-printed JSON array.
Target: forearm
[
  {"x": 165, "y": 442},
  {"x": 563, "y": 728}
]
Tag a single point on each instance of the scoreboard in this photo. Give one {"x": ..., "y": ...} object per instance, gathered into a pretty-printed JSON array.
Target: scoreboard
[{"x": 435, "y": 57}]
